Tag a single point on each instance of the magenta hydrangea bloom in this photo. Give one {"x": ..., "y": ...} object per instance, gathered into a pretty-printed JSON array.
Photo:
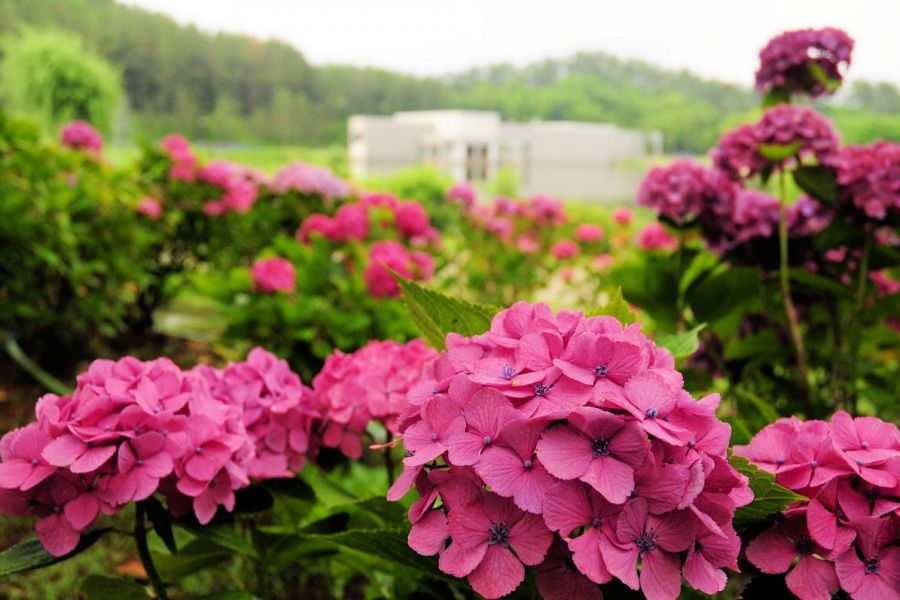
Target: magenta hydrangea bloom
[
  {"x": 370, "y": 384},
  {"x": 81, "y": 135},
  {"x": 273, "y": 274},
  {"x": 553, "y": 413},
  {"x": 870, "y": 570},
  {"x": 184, "y": 161},
  {"x": 133, "y": 428},
  {"x": 655, "y": 237},
  {"x": 463, "y": 193},
  {"x": 804, "y": 61},
  {"x": 869, "y": 177},
  {"x": 308, "y": 180},
  {"x": 150, "y": 208},
  {"x": 684, "y": 190},
  {"x": 411, "y": 219},
  {"x": 564, "y": 249},
  {"x": 737, "y": 153},
  {"x": 388, "y": 255},
  {"x": 238, "y": 190},
  {"x": 622, "y": 216},
  {"x": 588, "y": 233}
]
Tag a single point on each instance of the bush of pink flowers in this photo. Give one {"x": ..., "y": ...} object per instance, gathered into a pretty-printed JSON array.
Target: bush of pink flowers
[
  {"x": 273, "y": 274},
  {"x": 845, "y": 535},
  {"x": 560, "y": 426},
  {"x": 81, "y": 135},
  {"x": 134, "y": 428}
]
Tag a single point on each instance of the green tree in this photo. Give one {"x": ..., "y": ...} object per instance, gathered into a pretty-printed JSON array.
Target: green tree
[{"x": 52, "y": 76}]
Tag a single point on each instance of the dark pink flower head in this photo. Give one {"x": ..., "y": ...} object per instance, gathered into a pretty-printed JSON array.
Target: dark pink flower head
[
  {"x": 737, "y": 153},
  {"x": 804, "y": 61},
  {"x": 184, "y": 162},
  {"x": 788, "y": 546},
  {"x": 589, "y": 232},
  {"x": 622, "y": 216},
  {"x": 799, "y": 126},
  {"x": 318, "y": 224},
  {"x": 869, "y": 177},
  {"x": 150, "y": 208},
  {"x": 709, "y": 553},
  {"x": 683, "y": 191},
  {"x": 655, "y": 237},
  {"x": 491, "y": 541},
  {"x": 463, "y": 193},
  {"x": 309, "y": 180},
  {"x": 769, "y": 449},
  {"x": 597, "y": 447},
  {"x": 544, "y": 210},
  {"x": 411, "y": 219},
  {"x": 273, "y": 274},
  {"x": 388, "y": 255},
  {"x": 564, "y": 249},
  {"x": 82, "y": 136},
  {"x": 351, "y": 222},
  {"x": 867, "y": 444},
  {"x": 870, "y": 569}
]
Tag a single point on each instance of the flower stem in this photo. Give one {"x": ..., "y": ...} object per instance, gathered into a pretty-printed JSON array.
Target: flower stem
[
  {"x": 856, "y": 330},
  {"x": 679, "y": 296},
  {"x": 140, "y": 539},
  {"x": 789, "y": 309},
  {"x": 47, "y": 380}
]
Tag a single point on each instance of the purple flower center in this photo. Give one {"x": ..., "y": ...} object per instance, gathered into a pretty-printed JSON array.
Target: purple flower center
[
  {"x": 813, "y": 464},
  {"x": 864, "y": 445},
  {"x": 779, "y": 462},
  {"x": 107, "y": 427},
  {"x": 804, "y": 545},
  {"x": 487, "y": 440},
  {"x": 140, "y": 463},
  {"x": 499, "y": 534},
  {"x": 541, "y": 390},
  {"x": 651, "y": 413},
  {"x": 692, "y": 444},
  {"x": 198, "y": 450},
  {"x": 872, "y": 565},
  {"x": 647, "y": 541},
  {"x": 600, "y": 447},
  {"x": 34, "y": 462},
  {"x": 508, "y": 372},
  {"x": 601, "y": 371},
  {"x": 434, "y": 437},
  {"x": 528, "y": 464},
  {"x": 595, "y": 522}
]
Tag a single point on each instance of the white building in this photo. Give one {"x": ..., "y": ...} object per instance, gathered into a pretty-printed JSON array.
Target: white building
[{"x": 560, "y": 158}]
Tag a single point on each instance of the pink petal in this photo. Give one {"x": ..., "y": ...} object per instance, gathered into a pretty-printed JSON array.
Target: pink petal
[
  {"x": 498, "y": 574},
  {"x": 650, "y": 390},
  {"x": 63, "y": 451},
  {"x": 813, "y": 579},
  {"x": 464, "y": 449},
  {"x": 56, "y": 535},
  {"x": 488, "y": 411},
  {"x": 159, "y": 465},
  {"x": 92, "y": 459},
  {"x": 428, "y": 535},
  {"x": 565, "y": 452},
  {"x": 613, "y": 479},
  {"x": 621, "y": 561},
  {"x": 566, "y": 507},
  {"x": 660, "y": 576},
  {"x": 531, "y": 539},
  {"x": 39, "y": 474},
  {"x": 459, "y": 561},
  {"x": 771, "y": 552},
  {"x": 14, "y": 473},
  {"x": 82, "y": 511},
  {"x": 586, "y": 556},
  {"x": 701, "y": 575},
  {"x": 822, "y": 524}
]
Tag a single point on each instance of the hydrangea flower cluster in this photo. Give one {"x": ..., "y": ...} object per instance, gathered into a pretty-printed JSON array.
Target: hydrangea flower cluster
[
  {"x": 238, "y": 189},
  {"x": 184, "y": 161},
  {"x": 561, "y": 425},
  {"x": 273, "y": 274},
  {"x": 806, "y": 61},
  {"x": 310, "y": 180},
  {"x": 388, "y": 255},
  {"x": 463, "y": 193},
  {"x": 740, "y": 152},
  {"x": 870, "y": 178},
  {"x": 132, "y": 428},
  {"x": 846, "y": 535},
  {"x": 150, "y": 208},
  {"x": 684, "y": 191},
  {"x": 654, "y": 236},
  {"x": 81, "y": 135},
  {"x": 372, "y": 383}
]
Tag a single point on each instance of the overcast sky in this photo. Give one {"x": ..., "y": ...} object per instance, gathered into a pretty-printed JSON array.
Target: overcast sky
[{"x": 715, "y": 38}]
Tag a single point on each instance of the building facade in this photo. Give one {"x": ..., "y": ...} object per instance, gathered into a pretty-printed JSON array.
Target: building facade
[{"x": 560, "y": 158}]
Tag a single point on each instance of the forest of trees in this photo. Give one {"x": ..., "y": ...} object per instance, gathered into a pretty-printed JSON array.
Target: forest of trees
[{"x": 236, "y": 88}]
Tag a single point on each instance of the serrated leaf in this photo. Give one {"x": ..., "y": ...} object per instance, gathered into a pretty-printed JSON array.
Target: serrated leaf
[
  {"x": 779, "y": 152},
  {"x": 101, "y": 587},
  {"x": 389, "y": 545},
  {"x": 162, "y": 522},
  {"x": 769, "y": 498},
  {"x": 681, "y": 345},
  {"x": 31, "y": 554},
  {"x": 225, "y": 536},
  {"x": 617, "y": 307},
  {"x": 436, "y": 314},
  {"x": 818, "y": 181}
]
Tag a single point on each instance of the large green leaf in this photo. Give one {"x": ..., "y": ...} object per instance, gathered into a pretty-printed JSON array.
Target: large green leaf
[
  {"x": 31, "y": 554},
  {"x": 769, "y": 498},
  {"x": 818, "y": 181},
  {"x": 162, "y": 522},
  {"x": 436, "y": 314},
  {"x": 681, "y": 345},
  {"x": 779, "y": 152},
  {"x": 226, "y": 536},
  {"x": 389, "y": 545},
  {"x": 617, "y": 307},
  {"x": 101, "y": 587}
]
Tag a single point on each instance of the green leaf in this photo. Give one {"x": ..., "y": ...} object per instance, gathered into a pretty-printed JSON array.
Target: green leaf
[
  {"x": 101, "y": 587},
  {"x": 162, "y": 522},
  {"x": 769, "y": 498},
  {"x": 755, "y": 345},
  {"x": 31, "y": 554},
  {"x": 817, "y": 282},
  {"x": 818, "y": 181},
  {"x": 779, "y": 152},
  {"x": 435, "y": 314},
  {"x": 292, "y": 487},
  {"x": 253, "y": 499},
  {"x": 681, "y": 345},
  {"x": 230, "y": 595},
  {"x": 389, "y": 545},
  {"x": 617, "y": 307},
  {"x": 225, "y": 536},
  {"x": 776, "y": 95},
  {"x": 819, "y": 74}
]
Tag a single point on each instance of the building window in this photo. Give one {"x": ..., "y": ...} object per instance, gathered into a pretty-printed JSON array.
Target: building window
[{"x": 476, "y": 162}]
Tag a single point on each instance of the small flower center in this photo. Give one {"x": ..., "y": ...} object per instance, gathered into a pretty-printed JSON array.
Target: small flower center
[
  {"x": 647, "y": 541},
  {"x": 595, "y": 522},
  {"x": 692, "y": 444},
  {"x": 601, "y": 371},
  {"x": 107, "y": 427},
  {"x": 651, "y": 413},
  {"x": 541, "y": 390},
  {"x": 804, "y": 545},
  {"x": 487, "y": 440},
  {"x": 779, "y": 461},
  {"x": 864, "y": 445},
  {"x": 507, "y": 372},
  {"x": 198, "y": 450},
  {"x": 434, "y": 437},
  {"x": 813, "y": 464},
  {"x": 600, "y": 447},
  {"x": 872, "y": 565},
  {"x": 528, "y": 464},
  {"x": 140, "y": 463},
  {"x": 34, "y": 462},
  {"x": 499, "y": 534}
]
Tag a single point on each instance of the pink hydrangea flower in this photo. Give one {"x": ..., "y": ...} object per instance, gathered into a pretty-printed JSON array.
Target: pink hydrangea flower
[
  {"x": 388, "y": 255},
  {"x": 184, "y": 162},
  {"x": 81, "y": 135},
  {"x": 869, "y": 178},
  {"x": 544, "y": 210},
  {"x": 150, "y": 207},
  {"x": 622, "y": 216},
  {"x": 588, "y": 232},
  {"x": 351, "y": 222},
  {"x": 564, "y": 249},
  {"x": 870, "y": 570},
  {"x": 463, "y": 193},
  {"x": 309, "y": 180},
  {"x": 795, "y": 61},
  {"x": 655, "y": 237},
  {"x": 319, "y": 224},
  {"x": 411, "y": 219},
  {"x": 273, "y": 274}
]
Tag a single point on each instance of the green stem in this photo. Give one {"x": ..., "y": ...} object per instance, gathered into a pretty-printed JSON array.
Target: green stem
[
  {"x": 856, "y": 330},
  {"x": 679, "y": 296},
  {"x": 789, "y": 309},
  {"x": 140, "y": 539},
  {"x": 47, "y": 380}
]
